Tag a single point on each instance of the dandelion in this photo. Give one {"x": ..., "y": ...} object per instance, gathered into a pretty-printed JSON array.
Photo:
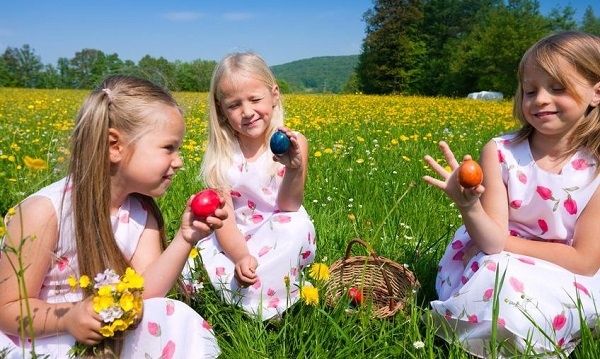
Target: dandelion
[
  {"x": 318, "y": 154},
  {"x": 419, "y": 345},
  {"x": 84, "y": 281},
  {"x": 319, "y": 271},
  {"x": 35, "y": 163},
  {"x": 194, "y": 253},
  {"x": 352, "y": 217},
  {"x": 310, "y": 295},
  {"x": 72, "y": 282},
  {"x": 360, "y": 160}
]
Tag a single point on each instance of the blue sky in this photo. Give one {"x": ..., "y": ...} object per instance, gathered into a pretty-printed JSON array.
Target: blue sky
[{"x": 281, "y": 31}]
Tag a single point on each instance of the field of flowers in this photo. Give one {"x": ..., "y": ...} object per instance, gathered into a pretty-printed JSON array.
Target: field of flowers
[{"x": 365, "y": 172}]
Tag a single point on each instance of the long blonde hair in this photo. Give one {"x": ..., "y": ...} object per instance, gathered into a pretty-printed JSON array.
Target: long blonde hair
[
  {"x": 222, "y": 138},
  {"x": 120, "y": 103},
  {"x": 582, "y": 51}
]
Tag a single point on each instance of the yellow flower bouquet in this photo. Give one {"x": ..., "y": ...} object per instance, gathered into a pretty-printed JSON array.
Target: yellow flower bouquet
[{"x": 117, "y": 300}]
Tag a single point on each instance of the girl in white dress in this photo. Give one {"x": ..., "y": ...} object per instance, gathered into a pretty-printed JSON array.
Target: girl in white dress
[
  {"x": 534, "y": 221},
  {"x": 255, "y": 259},
  {"x": 125, "y": 152}
]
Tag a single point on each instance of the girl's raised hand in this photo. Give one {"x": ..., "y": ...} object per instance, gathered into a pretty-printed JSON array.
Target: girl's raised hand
[
  {"x": 463, "y": 197},
  {"x": 194, "y": 228},
  {"x": 293, "y": 157}
]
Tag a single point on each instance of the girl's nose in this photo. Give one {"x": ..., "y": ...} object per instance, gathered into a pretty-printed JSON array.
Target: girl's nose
[
  {"x": 247, "y": 111},
  {"x": 177, "y": 161},
  {"x": 542, "y": 97}
]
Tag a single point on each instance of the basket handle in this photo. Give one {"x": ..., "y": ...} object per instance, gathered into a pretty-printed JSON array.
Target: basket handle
[{"x": 376, "y": 258}]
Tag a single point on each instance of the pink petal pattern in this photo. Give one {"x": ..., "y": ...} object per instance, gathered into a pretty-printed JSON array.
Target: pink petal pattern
[
  {"x": 457, "y": 244},
  {"x": 257, "y": 218},
  {"x": 168, "y": 351},
  {"x": 544, "y": 192},
  {"x": 522, "y": 177},
  {"x": 559, "y": 321},
  {"x": 527, "y": 260},
  {"x": 543, "y": 225},
  {"x": 570, "y": 205},
  {"x": 473, "y": 318},
  {"x": 170, "y": 308},
  {"x": 264, "y": 250},
  {"x": 580, "y": 164},
  {"x": 154, "y": 329},
  {"x": 62, "y": 263},
  {"x": 516, "y": 285},
  {"x": 581, "y": 288},
  {"x": 487, "y": 295},
  {"x": 273, "y": 302},
  {"x": 220, "y": 271},
  {"x": 516, "y": 204}
]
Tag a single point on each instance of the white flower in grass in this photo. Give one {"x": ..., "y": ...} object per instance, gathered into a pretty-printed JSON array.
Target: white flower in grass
[{"x": 419, "y": 344}]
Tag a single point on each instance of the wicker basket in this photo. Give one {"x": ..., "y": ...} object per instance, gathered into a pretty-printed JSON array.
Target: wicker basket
[{"x": 384, "y": 283}]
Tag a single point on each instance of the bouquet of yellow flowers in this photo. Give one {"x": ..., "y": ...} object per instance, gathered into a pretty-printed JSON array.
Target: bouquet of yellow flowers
[{"x": 118, "y": 300}]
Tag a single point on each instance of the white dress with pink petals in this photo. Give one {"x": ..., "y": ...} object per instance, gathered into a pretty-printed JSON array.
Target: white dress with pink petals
[
  {"x": 282, "y": 242},
  {"x": 168, "y": 329},
  {"x": 543, "y": 206}
]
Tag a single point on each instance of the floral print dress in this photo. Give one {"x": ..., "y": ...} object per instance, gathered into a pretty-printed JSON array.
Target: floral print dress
[
  {"x": 283, "y": 243},
  {"x": 537, "y": 299},
  {"x": 168, "y": 329}
]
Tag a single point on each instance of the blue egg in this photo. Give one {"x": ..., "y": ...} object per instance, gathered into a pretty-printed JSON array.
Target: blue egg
[{"x": 280, "y": 143}]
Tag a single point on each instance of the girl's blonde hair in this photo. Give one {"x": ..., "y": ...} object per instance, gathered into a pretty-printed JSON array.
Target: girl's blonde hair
[
  {"x": 582, "y": 51},
  {"x": 121, "y": 102},
  {"x": 222, "y": 138}
]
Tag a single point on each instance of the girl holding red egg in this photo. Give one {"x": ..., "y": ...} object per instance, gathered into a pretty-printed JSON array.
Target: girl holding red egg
[
  {"x": 255, "y": 259},
  {"x": 529, "y": 246}
]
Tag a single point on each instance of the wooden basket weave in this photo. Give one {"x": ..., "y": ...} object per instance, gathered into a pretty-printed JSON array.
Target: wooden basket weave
[{"x": 384, "y": 283}]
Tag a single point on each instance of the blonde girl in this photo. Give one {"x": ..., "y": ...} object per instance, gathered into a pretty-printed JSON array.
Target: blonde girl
[
  {"x": 529, "y": 244},
  {"x": 255, "y": 259},
  {"x": 125, "y": 152}
]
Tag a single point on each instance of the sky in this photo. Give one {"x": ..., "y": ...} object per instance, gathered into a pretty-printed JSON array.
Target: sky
[{"x": 280, "y": 31}]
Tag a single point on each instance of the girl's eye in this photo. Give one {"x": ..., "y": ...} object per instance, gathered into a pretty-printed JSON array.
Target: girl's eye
[
  {"x": 233, "y": 106},
  {"x": 256, "y": 100},
  {"x": 558, "y": 89}
]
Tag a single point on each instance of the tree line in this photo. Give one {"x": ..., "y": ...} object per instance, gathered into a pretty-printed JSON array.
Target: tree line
[
  {"x": 22, "y": 67},
  {"x": 453, "y": 47},
  {"x": 424, "y": 47}
]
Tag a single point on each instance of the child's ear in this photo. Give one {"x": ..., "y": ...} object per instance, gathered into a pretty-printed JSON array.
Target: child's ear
[
  {"x": 275, "y": 92},
  {"x": 596, "y": 99},
  {"x": 115, "y": 145}
]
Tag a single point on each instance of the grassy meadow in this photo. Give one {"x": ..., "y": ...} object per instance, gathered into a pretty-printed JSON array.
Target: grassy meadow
[{"x": 364, "y": 180}]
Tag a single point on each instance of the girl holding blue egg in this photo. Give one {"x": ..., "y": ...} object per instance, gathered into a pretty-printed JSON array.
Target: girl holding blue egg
[{"x": 259, "y": 166}]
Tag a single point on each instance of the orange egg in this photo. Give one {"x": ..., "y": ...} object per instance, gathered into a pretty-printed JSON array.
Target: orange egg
[{"x": 470, "y": 174}]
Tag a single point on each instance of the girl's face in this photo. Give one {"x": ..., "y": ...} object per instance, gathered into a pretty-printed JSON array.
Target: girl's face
[
  {"x": 148, "y": 164},
  {"x": 248, "y": 105},
  {"x": 547, "y": 105}
]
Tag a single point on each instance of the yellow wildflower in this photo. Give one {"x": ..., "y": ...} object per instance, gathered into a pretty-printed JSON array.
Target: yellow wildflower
[
  {"x": 72, "y": 282},
  {"x": 35, "y": 163},
  {"x": 328, "y": 150},
  {"x": 360, "y": 160},
  {"x": 99, "y": 303},
  {"x": 319, "y": 271},
  {"x": 84, "y": 281},
  {"x": 194, "y": 253},
  {"x": 133, "y": 279},
  {"x": 107, "y": 331},
  {"x": 126, "y": 301},
  {"x": 318, "y": 154},
  {"x": 119, "y": 325},
  {"x": 11, "y": 211},
  {"x": 105, "y": 290},
  {"x": 310, "y": 295},
  {"x": 394, "y": 141},
  {"x": 352, "y": 217}
]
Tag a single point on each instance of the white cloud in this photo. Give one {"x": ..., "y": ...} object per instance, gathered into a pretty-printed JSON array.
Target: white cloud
[
  {"x": 182, "y": 16},
  {"x": 238, "y": 16}
]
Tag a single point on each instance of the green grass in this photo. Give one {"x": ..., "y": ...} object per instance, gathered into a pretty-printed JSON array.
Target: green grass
[{"x": 365, "y": 154}]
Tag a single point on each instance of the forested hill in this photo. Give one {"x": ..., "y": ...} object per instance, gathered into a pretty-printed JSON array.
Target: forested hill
[{"x": 317, "y": 74}]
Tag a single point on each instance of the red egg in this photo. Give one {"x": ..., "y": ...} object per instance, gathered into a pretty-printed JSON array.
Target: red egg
[
  {"x": 205, "y": 203},
  {"x": 356, "y": 295}
]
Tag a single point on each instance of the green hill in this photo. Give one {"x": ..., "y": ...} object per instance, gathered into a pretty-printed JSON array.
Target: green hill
[{"x": 317, "y": 74}]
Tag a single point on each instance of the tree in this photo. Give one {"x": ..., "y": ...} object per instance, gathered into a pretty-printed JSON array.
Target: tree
[
  {"x": 160, "y": 71},
  {"x": 488, "y": 57},
  {"x": 392, "y": 48},
  {"x": 590, "y": 23},
  {"x": 23, "y": 67},
  {"x": 88, "y": 68}
]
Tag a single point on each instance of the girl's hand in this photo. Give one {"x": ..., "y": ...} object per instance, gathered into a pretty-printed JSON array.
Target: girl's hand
[
  {"x": 194, "y": 228},
  {"x": 293, "y": 157},
  {"x": 463, "y": 197},
  {"x": 245, "y": 270},
  {"x": 83, "y": 323}
]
